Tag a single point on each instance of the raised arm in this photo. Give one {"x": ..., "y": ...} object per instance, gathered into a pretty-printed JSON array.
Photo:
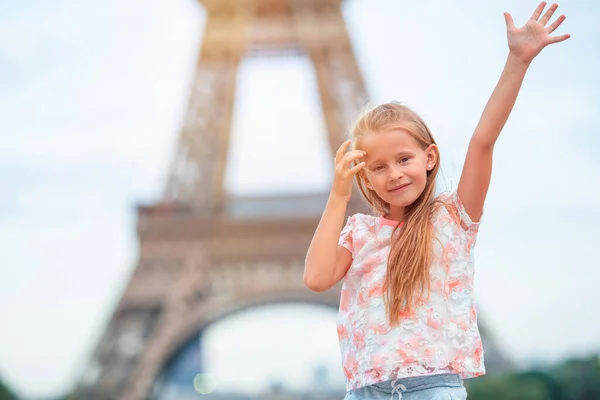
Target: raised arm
[{"x": 524, "y": 45}]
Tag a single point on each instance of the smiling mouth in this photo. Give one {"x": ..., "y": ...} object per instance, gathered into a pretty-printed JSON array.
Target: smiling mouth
[{"x": 399, "y": 188}]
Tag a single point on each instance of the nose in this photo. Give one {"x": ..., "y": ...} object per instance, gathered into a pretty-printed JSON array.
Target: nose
[{"x": 395, "y": 173}]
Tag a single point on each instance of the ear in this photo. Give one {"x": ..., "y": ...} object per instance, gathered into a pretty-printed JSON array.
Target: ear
[{"x": 432, "y": 154}]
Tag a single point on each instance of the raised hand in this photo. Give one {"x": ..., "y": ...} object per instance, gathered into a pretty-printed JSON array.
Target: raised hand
[
  {"x": 343, "y": 175},
  {"x": 527, "y": 42}
]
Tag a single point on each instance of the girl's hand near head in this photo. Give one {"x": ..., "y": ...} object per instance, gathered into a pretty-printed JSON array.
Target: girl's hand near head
[
  {"x": 527, "y": 42},
  {"x": 343, "y": 174}
]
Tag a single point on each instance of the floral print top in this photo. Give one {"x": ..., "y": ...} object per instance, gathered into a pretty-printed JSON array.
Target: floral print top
[{"x": 441, "y": 335}]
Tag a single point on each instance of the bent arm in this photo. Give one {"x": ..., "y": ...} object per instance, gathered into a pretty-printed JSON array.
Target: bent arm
[{"x": 326, "y": 262}]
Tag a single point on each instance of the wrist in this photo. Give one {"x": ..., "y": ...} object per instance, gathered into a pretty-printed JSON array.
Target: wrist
[
  {"x": 515, "y": 61},
  {"x": 337, "y": 201}
]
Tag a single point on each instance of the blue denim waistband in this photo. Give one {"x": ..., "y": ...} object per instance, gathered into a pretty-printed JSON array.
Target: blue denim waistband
[{"x": 415, "y": 383}]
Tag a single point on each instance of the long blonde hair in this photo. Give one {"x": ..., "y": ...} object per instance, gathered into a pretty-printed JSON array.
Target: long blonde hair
[{"x": 407, "y": 277}]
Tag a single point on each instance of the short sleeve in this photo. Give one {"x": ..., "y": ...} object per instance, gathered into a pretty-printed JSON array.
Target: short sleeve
[
  {"x": 346, "y": 234},
  {"x": 459, "y": 213}
]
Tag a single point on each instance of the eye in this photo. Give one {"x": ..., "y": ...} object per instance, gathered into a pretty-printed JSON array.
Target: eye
[
  {"x": 378, "y": 168},
  {"x": 404, "y": 160}
]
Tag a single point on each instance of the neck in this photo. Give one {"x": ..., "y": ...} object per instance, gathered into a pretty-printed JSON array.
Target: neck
[{"x": 396, "y": 213}]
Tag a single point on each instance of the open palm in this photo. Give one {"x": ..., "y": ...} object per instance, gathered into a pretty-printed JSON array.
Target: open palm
[{"x": 528, "y": 41}]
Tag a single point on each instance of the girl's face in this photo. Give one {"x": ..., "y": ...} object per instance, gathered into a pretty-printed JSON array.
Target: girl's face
[{"x": 396, "y": 167}]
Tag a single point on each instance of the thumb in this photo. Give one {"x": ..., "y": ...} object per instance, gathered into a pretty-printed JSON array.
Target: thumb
[{"x": 509, "y": 21}]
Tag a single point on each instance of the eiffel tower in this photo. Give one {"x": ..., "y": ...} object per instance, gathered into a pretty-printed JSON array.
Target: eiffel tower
[{"x": 204, "y": 253}]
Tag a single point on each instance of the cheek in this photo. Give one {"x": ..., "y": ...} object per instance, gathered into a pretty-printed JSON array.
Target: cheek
[
  {"x": 377, "y": 180},
  {"x": 419, "y": 172}
]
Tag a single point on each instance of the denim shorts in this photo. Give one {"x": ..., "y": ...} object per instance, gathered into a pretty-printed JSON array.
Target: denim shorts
[{"x": 430, "y": 387}]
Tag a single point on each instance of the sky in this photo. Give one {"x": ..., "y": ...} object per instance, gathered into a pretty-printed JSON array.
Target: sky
[{"x": 93, "y": 95}]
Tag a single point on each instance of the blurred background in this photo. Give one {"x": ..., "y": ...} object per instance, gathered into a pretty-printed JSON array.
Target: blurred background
[{"x": 93, "y": 96}]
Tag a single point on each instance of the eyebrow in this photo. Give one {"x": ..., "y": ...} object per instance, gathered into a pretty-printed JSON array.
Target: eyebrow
[{"x": 401, "y": 153}]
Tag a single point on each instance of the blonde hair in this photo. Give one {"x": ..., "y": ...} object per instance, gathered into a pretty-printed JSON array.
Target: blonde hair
[{"x": 410, "y": 256}]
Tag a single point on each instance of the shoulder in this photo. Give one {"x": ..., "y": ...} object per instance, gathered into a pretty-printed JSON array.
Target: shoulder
[
  {"x": 446, "y": 204},
  {"x": 358, "y": 230},
  {"x": 449, "y": 209},
  {"x": 359, "y": 220},
  {"x": 360, "y": 225}
]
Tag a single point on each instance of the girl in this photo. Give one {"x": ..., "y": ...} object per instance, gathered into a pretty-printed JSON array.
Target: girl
[{"x": 407, "y": 319}]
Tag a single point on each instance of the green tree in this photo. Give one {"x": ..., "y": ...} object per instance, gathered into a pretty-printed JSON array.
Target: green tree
[
  {"x": 577, "y": 379},
  {"x": 506, "y": 387},
  {"x": 6, "y": 393},
  {"x": 580, "y": 379}
]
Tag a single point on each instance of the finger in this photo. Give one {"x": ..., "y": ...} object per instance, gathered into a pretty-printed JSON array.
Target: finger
[
  {"x": 538, "y": 11},
  {"x": 548, "y": 14},
  {"x": 351, "y": 156},
  {"x": 354, "y": 170},
  {"x": 509, "y": 20},
  {"x": 556, "y": 39},
  {"x": 340, "y": 152},
  {"x": 556, "y": 24}
]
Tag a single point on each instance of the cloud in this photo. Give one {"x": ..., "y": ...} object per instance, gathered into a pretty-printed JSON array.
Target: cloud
[
  {"x": 81, "y": 142},
  {"x": 61, "y": 273}
]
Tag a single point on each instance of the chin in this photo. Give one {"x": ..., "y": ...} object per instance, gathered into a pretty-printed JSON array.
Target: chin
[
  {"x": 404, "y": 201},
  {"x": 401, "y": 204}
]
